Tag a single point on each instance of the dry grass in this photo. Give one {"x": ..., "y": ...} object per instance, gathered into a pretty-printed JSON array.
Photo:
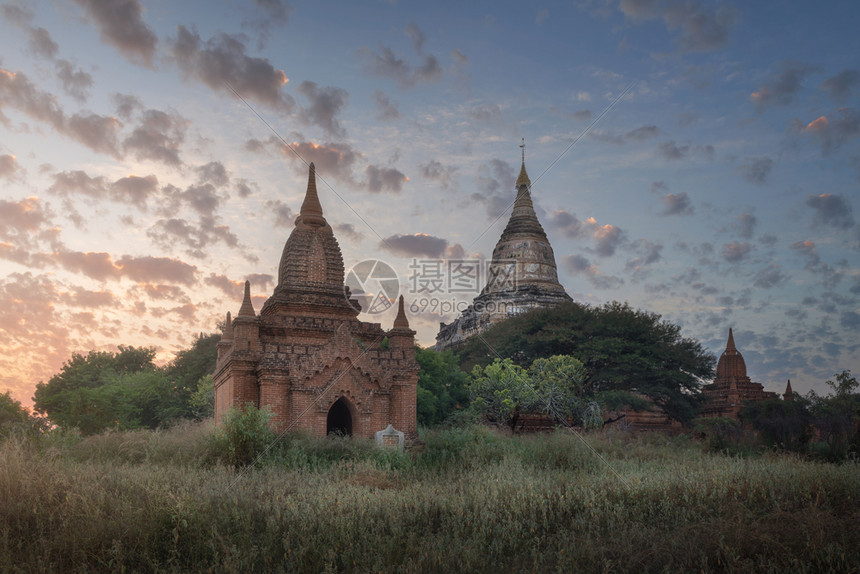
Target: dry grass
[{"x": 471, "y": 500}]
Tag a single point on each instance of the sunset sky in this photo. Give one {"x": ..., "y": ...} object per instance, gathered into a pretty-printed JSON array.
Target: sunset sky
[{"x": 697, "y": 159}]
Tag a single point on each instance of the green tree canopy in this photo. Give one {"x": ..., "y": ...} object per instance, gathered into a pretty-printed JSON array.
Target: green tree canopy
[
  {"x": 837, "y": 415},
  {"x": 620, "y": 347},
  {"x": 441, "y": 386}
]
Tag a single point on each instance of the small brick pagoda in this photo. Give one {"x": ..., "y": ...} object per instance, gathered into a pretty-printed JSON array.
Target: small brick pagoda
[
  {"x": 732, "y": 387},
  {"x": 522, "y": 274},
  {"x": 307, "y": 357}
]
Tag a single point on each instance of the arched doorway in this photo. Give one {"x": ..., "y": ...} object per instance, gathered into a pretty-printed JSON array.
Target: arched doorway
[{"x": 339, "y": 419}]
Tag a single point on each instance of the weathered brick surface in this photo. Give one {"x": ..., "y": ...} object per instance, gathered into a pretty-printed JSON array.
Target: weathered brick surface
[{"x": 307, "y": 349}]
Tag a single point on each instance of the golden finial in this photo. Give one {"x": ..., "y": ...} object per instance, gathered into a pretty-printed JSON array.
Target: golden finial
[{"x": 523, "y": 146}]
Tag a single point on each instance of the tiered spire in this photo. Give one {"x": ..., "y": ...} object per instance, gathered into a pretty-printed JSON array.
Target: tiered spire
[
  {"x": 730, "y": 345},
  {"x": 789, "y": 394},
  {"x": 523, "y": 179},
  {"x": 311, "y": 211},
  {"x": 247, "y": 308}
]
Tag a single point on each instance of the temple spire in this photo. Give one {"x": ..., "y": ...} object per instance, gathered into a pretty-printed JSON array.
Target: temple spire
[
  {"x": 401, "y": 322},
  {"x": 523, "y": 179},
  {"x": 311, "y": 211},
  {"x": 730, "y": 345},
  {"x": 227, "y": 335},
  {"x": 247, "y": 308},
  {"x": 789, "y": 394}
]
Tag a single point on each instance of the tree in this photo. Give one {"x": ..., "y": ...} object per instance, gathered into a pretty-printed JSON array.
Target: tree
[
  {"x": 442, "y": 386},
  {"x": 621, "y": 348},
  {"x": 501, "y": 391},
  {"x": 190, "y": 366},
  {"x": 560, "y": 384},
  {"x": 781, "y": 424},
  {"x": 837, "y": 415},
  {"x": 12, "y": 414}
]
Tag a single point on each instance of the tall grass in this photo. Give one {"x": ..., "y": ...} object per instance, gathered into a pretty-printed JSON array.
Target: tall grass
[{"x": 470, "y": 500}]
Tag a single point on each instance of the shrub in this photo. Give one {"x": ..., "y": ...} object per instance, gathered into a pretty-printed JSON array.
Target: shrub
[{"x": 243, "y": 436}]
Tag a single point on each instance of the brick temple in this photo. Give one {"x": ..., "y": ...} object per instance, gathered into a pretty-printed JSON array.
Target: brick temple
[
  {"x": 307, "y": 357},
  {"x": 732, "y": 388},
  {"x": 522, "y": 274}
]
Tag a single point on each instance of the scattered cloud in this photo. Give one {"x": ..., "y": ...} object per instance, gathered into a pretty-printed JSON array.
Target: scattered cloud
[
  {"x": 121, "y": 25},
  {"x": 493, "y": 181},
  {"x": 831, "y": 210},
  {"x": 769, "y": 277},
  {"x": 75, "y": 82},
  {"x": 386, "y": 64},
  {"x": 415, "y": 245},
  {"x": 41, "y": 43},
  {"x": 324, "y": 104},
  {"x": 736, "y": 251},
  {"x": 157, "y": 137},
  {"x": 444, "y": 175},
  {"x": 783, "y": 86},
  {"x": 10, "y": 169},
  {"x": 284, "y": 216},
  {"x": 567, "y": 223},
  {"x": 745, "y": 225},
  {"x": 671, "y": 151},
  {"x": 579, "y": 265},
  {"x": 676, "y": 204},
  {"x": 380, "y": 179},
  {"x": 833, "y": 133},
  {"x": 222, "y": 64},
  {"x": 841, "y": 86},
  {"x": 701, "y": 28},
  {"x": 756, "y": 169},
  {"x": 386, "y": 110}
]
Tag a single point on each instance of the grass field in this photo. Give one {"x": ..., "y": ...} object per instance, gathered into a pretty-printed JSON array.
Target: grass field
[{"x": 471, "y": 500}]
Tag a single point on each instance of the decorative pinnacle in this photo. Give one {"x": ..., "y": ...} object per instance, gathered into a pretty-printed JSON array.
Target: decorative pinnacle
[
  {"x": 311, "y": 210},
  {"x": 401, "y": 322},
  {"x": 227, "y": 335},
  {"x": 523, "y": 146},
  {"x": 247, "y": 308},
  {"x": 523, "y": 179}
]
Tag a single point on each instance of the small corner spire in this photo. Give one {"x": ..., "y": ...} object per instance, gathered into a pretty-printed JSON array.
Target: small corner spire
[
  {"x": 311, "y": 206},
  {"x": 247, "y": 308},
  {"x": 227, "y": 335},
  {"x": 401, "y": 322},
  {"x": 789, "y": 394}
]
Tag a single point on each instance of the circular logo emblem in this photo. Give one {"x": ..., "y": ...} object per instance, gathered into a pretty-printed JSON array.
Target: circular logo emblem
[{"x": 374, "y": 284}]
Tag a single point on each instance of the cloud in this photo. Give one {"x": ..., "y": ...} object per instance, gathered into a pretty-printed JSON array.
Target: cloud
[
  {"x": 415, "y": 245},
  {"x": 41, "y": 43},
  {"x": 386, "y": 64},
  {"x": 835, "y": 132},
  {"x": 76, "y": 83},
  {"x": 381, "y": 179},
  {"x": 579, "y": 265},
  {"x": 23, "y": 222},
  {"x": 416, "y": 36},
  {"x": 486, "y": 113},
  {"x": 213, "y": 172},
  {"x": 221, "y": 63},
  {"x": 132, "y": 189},
  {"x": 769, "y": 277},
  {"x": 275, "y": 13},
  {"x": 232, "y": 289},
  {"x": 736, "y": 251},
  {"x": 607, "y": 238},
  {"x": 701, "y": 28},
  {"x": 850, "y": 320},
  {"x": 842, "y": 84},
  {"x": 167, "y": 233},
  {"x": 568, "y": 223},
  {"x": 492, "y": 179},
  {"x": 121, "y": 25},
  {"x": 10, "y": 169},
  {"x": 642, "y": 133},
  {"x": 17, "y": 14},
  {"x": 81, "y": 297},
  {"x": 146, "y": 269},
  {"x": 283, "y": 214},
  {"x": 158, "y": 137},
  {"x": 671, "y": 151},
  {"x": 332, "y": 160},
  {"x": 756, "y": 169},
  {"x": 832, "y": 210},
  {"x": 348, "y": 230},
  {"x": 442, "y": 174},
  {"x": 745, "y": 225},
  {"x": 385, "y": 109},
  {"x": 99, "y": 133},
  {"x": 676, "y": 204},
  {"x": 782, "y": 87},
  {"x": 581, "y": 115},
  {"x": 126, "y": 105},
  {"x": 325, "y": 104}
]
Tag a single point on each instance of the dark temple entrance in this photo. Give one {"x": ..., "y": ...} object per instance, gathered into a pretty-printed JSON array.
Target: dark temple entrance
[{"x": 339, "y": 419}]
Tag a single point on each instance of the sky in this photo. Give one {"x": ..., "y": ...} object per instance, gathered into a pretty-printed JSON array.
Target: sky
[{"x": 696, "y": 159}]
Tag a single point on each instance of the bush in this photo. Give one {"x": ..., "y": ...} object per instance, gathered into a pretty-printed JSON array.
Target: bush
[{"x": 243, "y": 436}]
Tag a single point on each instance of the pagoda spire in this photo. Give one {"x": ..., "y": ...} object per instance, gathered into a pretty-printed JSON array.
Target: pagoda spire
[
  {"x": 227, "y": 335},
  {"x": 401, "y": 322},
  {"x": 247, "y": 308},
  {"x": 730, "y": 345},
  {"x": 523, "y": 179},
  {"x": 311, "y": 211},
  {"x": 789, "y": 394}
]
